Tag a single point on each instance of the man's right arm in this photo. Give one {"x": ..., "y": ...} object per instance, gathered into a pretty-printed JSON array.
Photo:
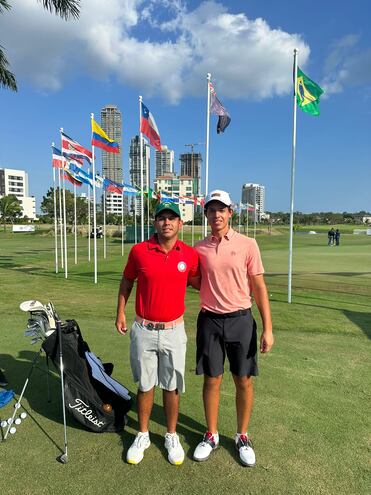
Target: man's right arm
[{"x": 126, "y": 286}]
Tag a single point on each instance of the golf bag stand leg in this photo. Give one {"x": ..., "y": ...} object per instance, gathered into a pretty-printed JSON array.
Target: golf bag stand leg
[
  {"x": 17, "y": 405},
  {"x": 63, "y": 458},
  {"x": 48, "y": 377}
]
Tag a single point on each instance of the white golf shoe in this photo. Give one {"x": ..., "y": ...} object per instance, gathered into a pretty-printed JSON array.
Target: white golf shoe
[
  {"x": 203, "y": 450},
  {"x": 174, "y": 449},
  {"x": 136, "y": 452},
  {"x": 245, "y": 450}
]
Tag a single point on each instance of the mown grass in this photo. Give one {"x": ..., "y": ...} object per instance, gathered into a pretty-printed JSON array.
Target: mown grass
[{"x": 310, "y": 424}]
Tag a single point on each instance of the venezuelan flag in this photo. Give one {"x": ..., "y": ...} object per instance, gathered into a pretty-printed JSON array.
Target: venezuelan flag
[{"x": 101, "y": 140}]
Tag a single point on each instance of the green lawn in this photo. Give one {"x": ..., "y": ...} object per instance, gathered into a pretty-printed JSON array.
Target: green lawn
[{"x": 311, "y": 420}]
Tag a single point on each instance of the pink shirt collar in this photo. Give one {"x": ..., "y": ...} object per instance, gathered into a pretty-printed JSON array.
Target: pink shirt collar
[{"x": 228, "y": 236}]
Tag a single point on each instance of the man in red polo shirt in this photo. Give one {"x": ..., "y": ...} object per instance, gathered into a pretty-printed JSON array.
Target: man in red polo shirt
[
  {"x": 231, "y": 270},
  {"x": 162, "y": 265}
]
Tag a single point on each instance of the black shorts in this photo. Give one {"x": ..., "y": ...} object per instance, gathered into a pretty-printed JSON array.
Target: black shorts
[{"x": 233, "y": 334}]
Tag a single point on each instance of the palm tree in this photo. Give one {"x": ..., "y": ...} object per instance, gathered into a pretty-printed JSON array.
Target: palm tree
[
  {"x": 64, "y": 8},
  {"x": 10, "y": 209}
]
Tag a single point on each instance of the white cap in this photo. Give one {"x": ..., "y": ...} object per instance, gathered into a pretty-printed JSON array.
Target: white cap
[{"x": 218, "y": 195}]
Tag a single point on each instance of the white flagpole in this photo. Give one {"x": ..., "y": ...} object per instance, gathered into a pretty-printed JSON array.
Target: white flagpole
[
  {"x": 247, "y": 220},
  {"x": 254, "y": 225},
  {"x": 64, "y": 227},
  {"x": 89, "y": 223},
  {"x": 94, "y": 214},
  {"x": 147, "y": 180},
  {"x": 207, "y": 147},
  {"x": 75, "y": 218},
  {"x": 193, "y": 223},
  {"x": 135, "y": 220},
  {"x": 141, "y": 172},
  {"x": 292, "y": 177},
  {"x": 104, "y": 222},
  {"x": 64, "y": 221},
  {"x": 122, "y": 224},
  {"x": 60, "y": 213},
  {"x": 55, "y": 220}
]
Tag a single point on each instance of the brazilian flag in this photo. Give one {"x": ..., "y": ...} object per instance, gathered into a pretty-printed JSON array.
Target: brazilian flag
[{"x": 307, "y": 94}]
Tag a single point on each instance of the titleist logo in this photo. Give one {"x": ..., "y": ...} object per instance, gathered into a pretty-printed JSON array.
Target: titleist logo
[{"x": 84, "y": 410}]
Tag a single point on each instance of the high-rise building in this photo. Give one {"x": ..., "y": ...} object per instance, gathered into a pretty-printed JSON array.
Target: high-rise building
[
  {"x": 177, "y": 186},
  {"x": 111, "y": 123},
  {"x": 254, "y": 194},
  {"x": 134, "y": 160},
  {"x": 190, "y": 166},
  {"x": 164, "y": 161},
  {"x": 16, "y": 182}
]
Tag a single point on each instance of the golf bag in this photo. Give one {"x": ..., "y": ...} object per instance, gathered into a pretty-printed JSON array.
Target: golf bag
[{"x": 92, "y": 396}]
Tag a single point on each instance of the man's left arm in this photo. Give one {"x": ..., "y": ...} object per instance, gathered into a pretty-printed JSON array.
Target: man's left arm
[{"x": 260, "y": 293}]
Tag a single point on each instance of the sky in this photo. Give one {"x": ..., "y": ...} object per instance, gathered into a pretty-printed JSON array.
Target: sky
[{"x": 163, "y": 50}]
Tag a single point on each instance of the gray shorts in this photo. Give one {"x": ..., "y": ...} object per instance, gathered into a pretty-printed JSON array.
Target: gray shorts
[{"x": 157, "y": 357}]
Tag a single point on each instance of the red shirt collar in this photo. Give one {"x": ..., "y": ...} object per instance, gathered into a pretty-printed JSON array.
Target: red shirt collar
[{"x": 153, "y": 244}]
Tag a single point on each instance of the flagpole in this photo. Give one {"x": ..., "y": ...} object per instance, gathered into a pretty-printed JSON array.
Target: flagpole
[
  {"x": 148, "y": 165},
  {"x": 141, "y": 172},
  {"x": 55, "y": 221},
  {"x": 64, "y": 218},
  {"x": 122, "y": 223},
  {"x": 292, "y": 177},
  {"x": 104, "y": 220},
  {"x": 64, "y": 227},
  {"x": 193, "y": 223},
  {"x": 60, "y": 214},
  {"x": 94, "y": 212},
  {"x": 75, "y": 218},
  {"x": 254, "y": 212},
  {"x": 135, "y": 220},
  {"x": 89, "y": 223},
  {"x": 207, "y": 146},
  {"x": 247, "y": 220}
]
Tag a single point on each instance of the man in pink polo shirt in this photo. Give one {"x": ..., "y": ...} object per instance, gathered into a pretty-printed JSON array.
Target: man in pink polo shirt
[
  {"x": 231, "y": 271},
  {"x": 162, "y": 265}
]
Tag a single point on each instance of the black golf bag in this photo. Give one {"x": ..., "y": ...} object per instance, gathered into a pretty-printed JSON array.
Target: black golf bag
[{"x": 92, "y": 396}]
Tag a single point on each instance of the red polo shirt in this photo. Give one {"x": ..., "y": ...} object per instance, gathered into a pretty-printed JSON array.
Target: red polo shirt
[{"x": 162, "y": 278}]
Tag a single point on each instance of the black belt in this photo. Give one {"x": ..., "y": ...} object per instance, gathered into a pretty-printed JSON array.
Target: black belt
[{"x": 240, "y": 312}]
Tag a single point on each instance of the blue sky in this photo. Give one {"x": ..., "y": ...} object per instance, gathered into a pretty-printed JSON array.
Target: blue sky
[{"x": 163, "y": 50}]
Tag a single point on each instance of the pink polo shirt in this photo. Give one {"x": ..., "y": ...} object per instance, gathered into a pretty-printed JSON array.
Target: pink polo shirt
[{"x": 225, "y": 269}]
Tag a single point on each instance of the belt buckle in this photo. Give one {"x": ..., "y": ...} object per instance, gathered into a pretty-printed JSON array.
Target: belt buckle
[{"x": 160, "y": 326}]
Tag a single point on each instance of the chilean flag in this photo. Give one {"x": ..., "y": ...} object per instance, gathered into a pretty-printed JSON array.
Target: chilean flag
[{"x": 149, "y": 128}]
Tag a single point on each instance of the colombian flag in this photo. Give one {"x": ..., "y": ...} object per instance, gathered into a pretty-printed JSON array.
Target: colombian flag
[{"x": 101, "y": 140}]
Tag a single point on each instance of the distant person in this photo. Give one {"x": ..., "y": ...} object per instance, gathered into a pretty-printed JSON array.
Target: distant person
[
  {"x": 331, "y": 236},
  {"x": 337, "y": 237}
]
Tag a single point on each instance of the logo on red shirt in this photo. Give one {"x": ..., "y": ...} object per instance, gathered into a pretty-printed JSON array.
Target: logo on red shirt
[{"x": 182, "y": 266}]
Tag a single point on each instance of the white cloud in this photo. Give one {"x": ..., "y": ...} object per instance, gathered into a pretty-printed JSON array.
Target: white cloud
[
  {"x": 156, "y": 45},
  {"x": 347, "y": 65}
]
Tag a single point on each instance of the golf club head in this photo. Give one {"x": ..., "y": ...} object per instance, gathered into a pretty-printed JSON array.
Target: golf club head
[
  {"x": 52, "y": 312},
  {"x": 63, "y": 458},
  {"x": 31, "y": 305}
]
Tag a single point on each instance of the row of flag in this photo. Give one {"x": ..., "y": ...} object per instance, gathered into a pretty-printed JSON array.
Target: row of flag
[
  {"x": 308, "y": 95},
  {"x": 73, "y": 154}
]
